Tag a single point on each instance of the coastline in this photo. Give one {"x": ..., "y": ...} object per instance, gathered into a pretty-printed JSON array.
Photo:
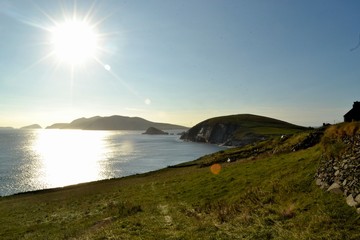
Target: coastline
[
  {"x": 190, "y": 202},
  {"x": 56, "y": 158}
]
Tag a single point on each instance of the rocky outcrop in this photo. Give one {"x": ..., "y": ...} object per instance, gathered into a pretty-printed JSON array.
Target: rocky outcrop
[
  {"x": 219, "y": 133},
  {"x": 341, "y": 173},
  {"x": 311, "y": 140},
  {"x": 155, "y": 131}
]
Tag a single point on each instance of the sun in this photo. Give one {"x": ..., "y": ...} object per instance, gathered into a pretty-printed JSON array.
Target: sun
[{"x": 74, "y": 42}]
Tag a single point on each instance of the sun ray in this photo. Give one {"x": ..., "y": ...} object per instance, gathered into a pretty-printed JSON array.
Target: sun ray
[
  {"x": 115, "y": 76},
  {"x": 74, "y": 41}
]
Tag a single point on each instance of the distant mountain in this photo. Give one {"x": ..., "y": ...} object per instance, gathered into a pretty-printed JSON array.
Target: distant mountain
[
  {"x": 33, "y": 126},
  {"x": 238, "y": 130},
  {"x": 114, "y": 123},
  {"x": 6, "y": 128}
]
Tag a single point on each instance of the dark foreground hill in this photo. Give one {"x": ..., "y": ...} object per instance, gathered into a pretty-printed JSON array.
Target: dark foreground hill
[
  {"x": 266, "y": 191},
  {"x": 238, "y": 130},
  {"x": 114, "y": 123}
]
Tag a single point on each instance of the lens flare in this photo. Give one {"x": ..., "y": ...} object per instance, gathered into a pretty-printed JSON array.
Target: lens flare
[
  {"x": 215, "y": 168},
  {"x": 107, "y": 67},
  {"x": 147, "y": 101}
]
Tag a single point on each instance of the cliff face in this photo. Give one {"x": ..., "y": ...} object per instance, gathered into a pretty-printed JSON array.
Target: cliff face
[
  {"x": 220, "y": 133},
  {"x": 237, "y": 130}
]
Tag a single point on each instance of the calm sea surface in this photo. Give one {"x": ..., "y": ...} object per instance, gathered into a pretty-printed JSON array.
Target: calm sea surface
[{"x": 38, "y": 159}]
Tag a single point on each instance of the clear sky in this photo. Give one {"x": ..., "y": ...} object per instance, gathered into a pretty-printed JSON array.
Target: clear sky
[{"x": 178, "y": 61}]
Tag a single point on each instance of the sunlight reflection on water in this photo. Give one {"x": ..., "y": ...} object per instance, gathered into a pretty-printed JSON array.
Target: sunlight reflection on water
[
  {"x": 47, "y": 158},
  {"x": 70, "y": 158}
]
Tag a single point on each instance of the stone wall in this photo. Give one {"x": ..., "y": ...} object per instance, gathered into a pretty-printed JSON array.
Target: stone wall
[{"x": 340, "y": 173}]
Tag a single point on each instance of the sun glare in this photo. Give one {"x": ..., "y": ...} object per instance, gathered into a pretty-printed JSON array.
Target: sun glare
[
  {"x": 74, "y": 42},
  {"x": 62, "y": 155}
]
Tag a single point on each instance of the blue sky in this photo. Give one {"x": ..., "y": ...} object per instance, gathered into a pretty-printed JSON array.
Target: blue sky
[{"x": 182, "y": 61}]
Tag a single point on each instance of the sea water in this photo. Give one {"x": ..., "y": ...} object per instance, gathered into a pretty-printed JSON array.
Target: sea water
[{"x": 47, "y": 158}]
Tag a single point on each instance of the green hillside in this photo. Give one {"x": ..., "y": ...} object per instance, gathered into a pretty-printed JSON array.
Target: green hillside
[
  {"x": 240, "y": 129},
  {"x": 249, "y": 123},
  {"x": 266, "y": 191}
]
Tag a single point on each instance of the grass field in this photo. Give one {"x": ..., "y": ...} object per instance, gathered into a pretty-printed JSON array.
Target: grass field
[{"x": 258, "y": 195}]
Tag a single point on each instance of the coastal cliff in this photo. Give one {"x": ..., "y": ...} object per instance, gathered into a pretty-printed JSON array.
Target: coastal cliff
[{"x": 238, "y": 130}]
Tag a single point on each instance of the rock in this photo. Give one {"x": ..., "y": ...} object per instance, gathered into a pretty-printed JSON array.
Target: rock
[
  {"x": 344, "y": 182},
  {"x": 335, "y": 188},
  {"x": 357, "y": 198},
  {"x": 311, "y": 140},
  {"x": 318, "y": 182},
  {"x": 342, "y": 171},
  {"x": 155, "y": 131},
  {"x": 350, "y": 201},
  {"x": 358, "y": 210}
]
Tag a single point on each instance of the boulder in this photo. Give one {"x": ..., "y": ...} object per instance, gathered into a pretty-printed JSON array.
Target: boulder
[
  {"x": 350, "y": 201},
  {"x": 335, "y": 188},
  {"x": 319, "y": 182},
  {"x": 357, "y": 198}
]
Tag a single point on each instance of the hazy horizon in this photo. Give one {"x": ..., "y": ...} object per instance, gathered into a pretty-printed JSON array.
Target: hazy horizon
[
  {"x": 53, "y": 123},
  {"x": 178, "y": 62}
]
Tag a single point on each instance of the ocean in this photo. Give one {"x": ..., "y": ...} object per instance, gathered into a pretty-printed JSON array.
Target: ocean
[{"x": 47, "y": 158}]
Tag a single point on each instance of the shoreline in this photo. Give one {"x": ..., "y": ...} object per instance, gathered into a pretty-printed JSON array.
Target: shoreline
[
  {"x": 98, "y": 157},
  {"x": 100, "y": 181}
]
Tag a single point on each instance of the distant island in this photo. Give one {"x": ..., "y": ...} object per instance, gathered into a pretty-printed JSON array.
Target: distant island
[
  {"x": 155, "y": 131},
  {"x": 33, "y": 126},
  {"x": 114, "y": 123},
  {"x": 6, "y": 128}
]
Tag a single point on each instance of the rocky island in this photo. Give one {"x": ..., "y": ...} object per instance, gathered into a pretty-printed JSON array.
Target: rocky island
[{"x": 155, "y": 131}]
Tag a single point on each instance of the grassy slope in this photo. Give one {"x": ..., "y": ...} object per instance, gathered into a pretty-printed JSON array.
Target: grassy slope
[
  {"x": 248, "y": 124},
  {"x": 263, "y": 197}
]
